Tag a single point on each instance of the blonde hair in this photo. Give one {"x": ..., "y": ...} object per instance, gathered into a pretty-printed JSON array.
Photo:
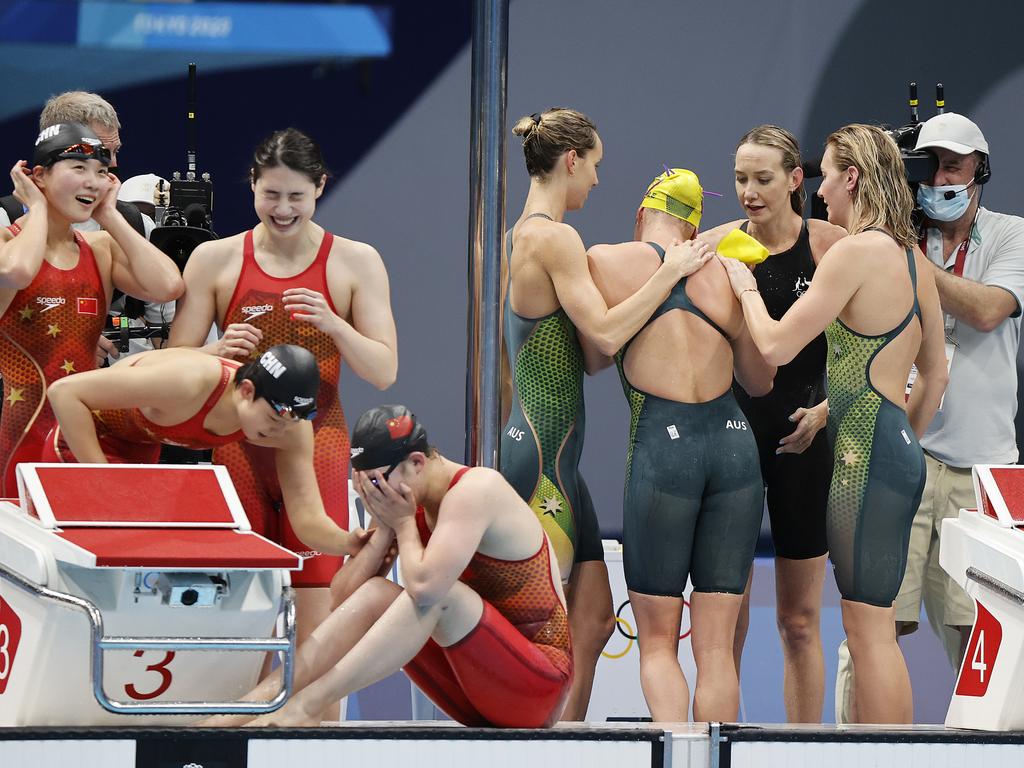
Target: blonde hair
[
  {"x": 546, "y": 136},
  {"x": 78, "y": 107},
  {"x": 779, "y": 138},
  {"x": 882, "y": 196}
]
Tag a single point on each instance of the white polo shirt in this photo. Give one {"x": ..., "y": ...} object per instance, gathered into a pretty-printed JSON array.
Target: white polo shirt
[{"x": 975, "y": 423}]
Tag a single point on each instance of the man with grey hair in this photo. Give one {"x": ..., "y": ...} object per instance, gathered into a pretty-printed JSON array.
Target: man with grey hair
[
  {"x": 90, "y": 109},
  {"x": 977, "y": 258}
]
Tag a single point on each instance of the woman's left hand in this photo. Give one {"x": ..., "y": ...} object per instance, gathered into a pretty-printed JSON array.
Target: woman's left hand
[
  {"x": 310, "y": 307},
  {"x": 386, "y": 504},
  {"x": 809, "y": 422},
  {"x": 740, "y": 277}
]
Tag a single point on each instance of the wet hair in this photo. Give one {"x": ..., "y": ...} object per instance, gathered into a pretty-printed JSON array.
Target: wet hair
[
  {"x": 779, "y": 138},
  {"x": 882, "y": 196},
  {"x": 293, "y": 149},
  {"x": 546, "y": 136},
  {"x": 78, "y": 107}
]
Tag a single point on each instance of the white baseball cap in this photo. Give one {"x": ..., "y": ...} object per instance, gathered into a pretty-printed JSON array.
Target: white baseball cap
[
  {"x": 140, "y": 189},
  {"x": 953, "y": 132}
]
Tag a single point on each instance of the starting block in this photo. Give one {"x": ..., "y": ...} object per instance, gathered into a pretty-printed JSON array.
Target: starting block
[
  {"x": 983, "y": 551},
  {"x": 136, "y": 590}
]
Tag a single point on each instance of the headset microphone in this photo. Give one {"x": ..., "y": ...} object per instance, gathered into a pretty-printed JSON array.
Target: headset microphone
[{"x": 949, "y": 194}]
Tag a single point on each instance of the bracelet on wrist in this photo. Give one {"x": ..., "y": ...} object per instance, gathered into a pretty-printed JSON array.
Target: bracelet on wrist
[{"x": 748, "y": 289}]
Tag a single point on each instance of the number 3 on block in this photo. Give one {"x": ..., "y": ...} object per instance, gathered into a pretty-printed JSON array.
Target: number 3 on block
[
  {"x": 10, "y": 637},
  {"x": 980, "y": 659}
]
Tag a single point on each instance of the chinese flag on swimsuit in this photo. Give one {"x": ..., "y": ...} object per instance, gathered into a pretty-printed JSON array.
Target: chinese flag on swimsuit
[{"x": 88, "y": 306}]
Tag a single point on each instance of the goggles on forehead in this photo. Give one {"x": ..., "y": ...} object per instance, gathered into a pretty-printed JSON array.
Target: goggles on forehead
[
  {"x": 294, "y": 413},
  {"x": 89, "y": 151}
]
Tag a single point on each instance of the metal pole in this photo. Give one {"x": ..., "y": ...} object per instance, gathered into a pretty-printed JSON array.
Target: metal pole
[{"x": 486, "y": 229}]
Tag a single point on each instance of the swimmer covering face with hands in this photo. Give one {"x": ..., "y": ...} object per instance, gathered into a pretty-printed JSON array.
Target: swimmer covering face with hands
[{"x": 480, "y": 625}]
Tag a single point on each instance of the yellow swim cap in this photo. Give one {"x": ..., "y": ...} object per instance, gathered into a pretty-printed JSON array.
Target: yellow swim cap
[
  {"x": 678, "y": 193},
  {"x": 742, "y": 247}
]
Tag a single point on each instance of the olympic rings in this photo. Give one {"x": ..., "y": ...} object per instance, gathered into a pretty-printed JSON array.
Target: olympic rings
[{"x": 629, "y": 645}]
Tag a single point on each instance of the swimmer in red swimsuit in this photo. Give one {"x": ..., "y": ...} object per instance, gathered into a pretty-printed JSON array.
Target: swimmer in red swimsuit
[
  {"x": 189, "y": 398},
  {"x": 56, "y": 282},
  {"x": 288, "y": 281},
  {"x": 480, "y": 625}
]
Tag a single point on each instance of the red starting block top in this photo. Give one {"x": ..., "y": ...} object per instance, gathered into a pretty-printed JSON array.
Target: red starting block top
[
  {"x": 1000, "y": 493},
  {"x": 180, "y": 548},
  {"x": 127, "y": 495}
]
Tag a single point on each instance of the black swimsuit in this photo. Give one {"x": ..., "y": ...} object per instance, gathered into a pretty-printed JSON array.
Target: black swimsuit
[{"x": 796, "y": 483}]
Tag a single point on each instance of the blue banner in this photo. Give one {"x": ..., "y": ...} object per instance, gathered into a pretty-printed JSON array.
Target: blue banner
[{"x": 354, "y": 31}]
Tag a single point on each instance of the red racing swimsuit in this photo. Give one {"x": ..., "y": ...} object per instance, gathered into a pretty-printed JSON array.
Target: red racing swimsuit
[
  {"x": 257, "y": 301},
  {"x": 49, "y": 330},
  {"x": 514, "y": 668},
  {"x": 128, "y": 437}
]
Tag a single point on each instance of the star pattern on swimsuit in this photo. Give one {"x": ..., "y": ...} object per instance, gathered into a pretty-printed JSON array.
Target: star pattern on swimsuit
[
  {"x": 551, "y": 506},
  {"x": 849, "y": 458},
  {"x": 26, "y": 313},
  {"x": 16, "y": 396},
  {"x": 68, "y": 367},
  {"x": 53, "y": 330}
]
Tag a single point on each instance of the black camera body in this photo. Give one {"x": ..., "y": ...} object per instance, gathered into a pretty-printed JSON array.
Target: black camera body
[
  {"x": 920, "y": 165},
  {"x": 187, "y": 220}
]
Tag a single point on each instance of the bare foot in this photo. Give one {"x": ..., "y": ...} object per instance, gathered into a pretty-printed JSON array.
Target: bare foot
[
  {"x": 289, "y": 716},
  {"x": 225, "y": 721}
]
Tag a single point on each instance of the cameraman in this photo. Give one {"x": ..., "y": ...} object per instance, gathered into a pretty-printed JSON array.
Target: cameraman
[{"x": 977, "y": 258}]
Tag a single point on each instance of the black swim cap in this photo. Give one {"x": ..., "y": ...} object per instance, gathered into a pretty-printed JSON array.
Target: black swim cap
[
  {"x": 384, "y": 436},
  {"x": 287, "y": 377},
  {"x": 66, "y": 141}
]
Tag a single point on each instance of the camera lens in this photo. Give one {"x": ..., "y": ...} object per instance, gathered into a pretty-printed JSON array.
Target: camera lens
[{"x": 189, "y": 597}]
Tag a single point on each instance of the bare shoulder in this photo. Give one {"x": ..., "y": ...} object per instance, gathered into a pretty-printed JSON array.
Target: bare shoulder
[
  {"x": 714, "y": 235},
  {"x": 355, "y": 255},
  {"x": 214, "y": 256},
  {"x": 543, "y": 238},
  {"x": 480, "y": 484},
  {"x": 711, "y": 277},
  {"x": 98, "y": 238},
  {"x": 823, "y": 236},
  {"x": 610, "y": 254}
]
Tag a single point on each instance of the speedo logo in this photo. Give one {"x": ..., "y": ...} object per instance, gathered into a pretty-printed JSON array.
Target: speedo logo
[
  {"x": 50, "y": 302},
  {"x": 301, "y": 401},
  {"x": 257, "y": 310}
]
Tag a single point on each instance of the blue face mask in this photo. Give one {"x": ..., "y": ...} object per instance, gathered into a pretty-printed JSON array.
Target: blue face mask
[{"x": 938, "y": 207}]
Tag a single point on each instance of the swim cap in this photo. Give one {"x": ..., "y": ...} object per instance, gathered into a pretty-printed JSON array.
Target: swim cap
[
  {"x": 676, "y": 192},
  {"x": 742, "y": 247},
  {"x": 288, "y": 378},
  {"x": 66, "y": 141},
  {"x": 384, "y": 436}
]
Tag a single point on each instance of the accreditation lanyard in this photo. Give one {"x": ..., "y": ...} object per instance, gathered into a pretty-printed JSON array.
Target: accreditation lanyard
[{"x": 933, "y": 248}]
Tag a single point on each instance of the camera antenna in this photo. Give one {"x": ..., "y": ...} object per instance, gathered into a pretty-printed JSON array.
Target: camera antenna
[
  {"x": 914, "y": 119},
  {"x": 940, "y": 99},
  {"x": 190, "y": 125}
]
